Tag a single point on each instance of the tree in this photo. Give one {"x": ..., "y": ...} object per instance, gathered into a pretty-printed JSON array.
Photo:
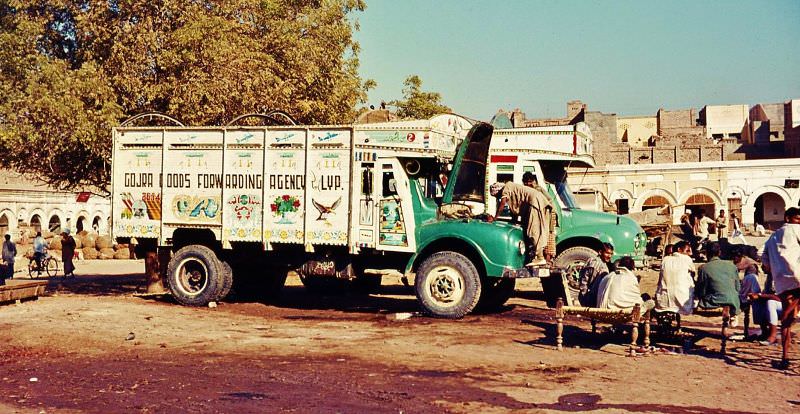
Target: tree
[
  {"x": 417, "y": 104},
  {"x": 71, "y": 70}
]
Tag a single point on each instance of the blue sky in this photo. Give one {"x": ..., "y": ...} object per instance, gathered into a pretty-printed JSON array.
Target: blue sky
[{"x": 624, "y": 57}]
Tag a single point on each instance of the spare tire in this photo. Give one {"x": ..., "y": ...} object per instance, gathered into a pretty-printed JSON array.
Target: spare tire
[{"x": 195, "y": 275}]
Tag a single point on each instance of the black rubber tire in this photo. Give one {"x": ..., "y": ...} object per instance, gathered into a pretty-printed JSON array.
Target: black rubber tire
[
  {"x": 495, "y": 292},
  {"x": 33, "y": 272},
  {"x": 440, "y": 276},
  {"x": 52, "y": 265},
  {"x": 205, "y": 280},
  {"x": 572, "y": 260},
  {"x": 227, "y": 281}
]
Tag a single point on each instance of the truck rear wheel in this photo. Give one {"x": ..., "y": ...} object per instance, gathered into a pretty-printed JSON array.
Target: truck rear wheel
[
  {"x": 227, "y": 281},
  {"x": 448, "y": 285},
  {"x": 572, "y": 260},
  {"x": 195, "y": 275},
  {"x": 495, "y": 292}
]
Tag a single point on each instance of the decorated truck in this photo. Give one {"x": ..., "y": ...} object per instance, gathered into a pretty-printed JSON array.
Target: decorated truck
[
  {"x": 548, "y": 153},
  {"x": 332, "y": 203}
]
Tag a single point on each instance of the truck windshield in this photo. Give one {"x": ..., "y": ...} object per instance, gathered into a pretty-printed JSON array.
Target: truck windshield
[{"x": 556, "y": 175}]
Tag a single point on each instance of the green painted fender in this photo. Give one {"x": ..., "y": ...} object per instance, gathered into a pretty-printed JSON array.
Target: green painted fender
[{"x": 497, "y": 243}]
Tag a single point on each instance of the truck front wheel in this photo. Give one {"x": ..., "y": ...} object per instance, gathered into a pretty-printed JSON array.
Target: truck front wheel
[
  {"x": 195, "y": 275},
  {"x": 448, "y": 285}
]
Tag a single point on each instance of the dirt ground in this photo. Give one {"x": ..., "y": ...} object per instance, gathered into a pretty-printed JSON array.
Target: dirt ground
[{"x": 93, "y": 345}]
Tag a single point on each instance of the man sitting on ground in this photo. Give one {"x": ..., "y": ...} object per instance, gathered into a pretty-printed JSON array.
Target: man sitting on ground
[
  {"x": 592, "y": 273},
  {"x": 675, "y": 289},
  {"x": 620, "y": 289},
  {"x": 717, "y": 282}
]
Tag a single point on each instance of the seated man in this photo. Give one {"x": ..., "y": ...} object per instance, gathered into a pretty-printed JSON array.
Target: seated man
[
  {"x": 592, "y": 273},
  {"x": 675, "y": 289},
  {"x": 717, "y": 282},
  {"x": 765, "y": 305},
  {"x": 620, "y": 289}
]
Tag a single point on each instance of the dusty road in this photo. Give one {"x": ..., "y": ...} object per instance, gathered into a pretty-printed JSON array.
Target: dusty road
[{"x": 93, "y": 346}]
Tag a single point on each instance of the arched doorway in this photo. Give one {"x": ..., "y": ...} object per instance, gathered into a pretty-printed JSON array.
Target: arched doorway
[
  {"x": 79, "y": 226},
  {"x": 96, "y": 224},
  {"x": 655, "y": 201},
  {"x": 701, "y": 202},
  {"x": 769, "y": 209},
  {"x": 54, "y": 225},
  {"x": 3, "y": 225},
  {"x": 36, "y": 223}
]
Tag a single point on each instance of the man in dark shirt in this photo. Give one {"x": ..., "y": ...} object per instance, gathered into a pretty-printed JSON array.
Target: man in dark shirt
[{"x": 592, "y": 273}]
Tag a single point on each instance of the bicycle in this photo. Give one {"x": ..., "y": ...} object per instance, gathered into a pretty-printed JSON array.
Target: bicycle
[{"x": 49, "y": 265}]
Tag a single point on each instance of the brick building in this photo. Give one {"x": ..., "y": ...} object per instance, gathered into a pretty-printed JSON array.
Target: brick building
[
  {"x": 791, "y": 128},
  {"x": 724, "y": 121}
]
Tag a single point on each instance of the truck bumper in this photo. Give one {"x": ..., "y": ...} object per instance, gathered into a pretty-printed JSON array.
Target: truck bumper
[{"x": 525, "y": 272}]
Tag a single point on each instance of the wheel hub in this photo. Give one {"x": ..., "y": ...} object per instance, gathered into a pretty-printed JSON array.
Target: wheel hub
[{"x": 446, "y": 285}]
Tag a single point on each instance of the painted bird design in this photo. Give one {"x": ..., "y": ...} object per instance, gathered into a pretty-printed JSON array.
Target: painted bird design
[{"x": 325, "y": 211}]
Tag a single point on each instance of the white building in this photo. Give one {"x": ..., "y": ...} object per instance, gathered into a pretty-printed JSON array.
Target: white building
[
  {"x": 28, "y": 205},
  {"x": 758, "y": 191}
]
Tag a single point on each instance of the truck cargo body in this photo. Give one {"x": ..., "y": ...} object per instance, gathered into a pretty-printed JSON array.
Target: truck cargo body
[{"x": 329, "y": 201}]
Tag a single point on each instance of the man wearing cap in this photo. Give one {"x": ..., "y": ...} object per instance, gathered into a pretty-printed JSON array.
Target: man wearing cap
[
  {"x": 534, "y": 208},
  {"x": 67, "y": 253}
]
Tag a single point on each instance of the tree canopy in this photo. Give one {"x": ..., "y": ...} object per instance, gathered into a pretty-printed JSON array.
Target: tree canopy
[
  {"x": 416, "y": 103},
  {"x": 71, "y": 70}
]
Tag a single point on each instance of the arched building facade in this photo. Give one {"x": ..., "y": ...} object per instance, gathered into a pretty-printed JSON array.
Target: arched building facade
[
  {"x": 757, "y": 191},
  {"x": 27, "y": 206}
]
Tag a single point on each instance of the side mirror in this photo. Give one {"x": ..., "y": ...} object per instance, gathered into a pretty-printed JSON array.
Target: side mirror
[{"x": 393, "y": 186}]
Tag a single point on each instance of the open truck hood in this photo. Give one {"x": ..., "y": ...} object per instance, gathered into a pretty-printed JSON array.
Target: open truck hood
[{"x": 467, "y": 181}]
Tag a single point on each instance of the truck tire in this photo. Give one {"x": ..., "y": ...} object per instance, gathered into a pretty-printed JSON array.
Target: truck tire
[
  {"x": 495, "y": 292},
  {"x": 227, "y": 281},
  {"x": 195, "y": 275},
  {"x": 572, "y": 260},
  {"x": 448, "y": 285}
]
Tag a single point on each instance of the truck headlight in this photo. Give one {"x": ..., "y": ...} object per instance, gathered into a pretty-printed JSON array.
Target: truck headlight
[{"x": 521, "y": 246}]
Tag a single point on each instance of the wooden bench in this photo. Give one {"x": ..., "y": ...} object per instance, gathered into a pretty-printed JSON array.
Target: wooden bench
[
  {"x": 629, "y": 317},
  {"x": 19, "y": 290},
  {"x": 666, "y": 317}
]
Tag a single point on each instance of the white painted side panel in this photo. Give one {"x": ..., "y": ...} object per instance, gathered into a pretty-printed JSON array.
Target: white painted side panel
[
  {"x": 243, "y": 195},
  {"x": 284, "y": 183},
  {"x": 327, "y": 192},
  {"x": 192, "y": 179},
  {"x": 137, "y": 184}
]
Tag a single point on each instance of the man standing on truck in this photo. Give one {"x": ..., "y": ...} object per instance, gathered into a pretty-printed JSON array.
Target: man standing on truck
[{"x": 534, "y": 208}]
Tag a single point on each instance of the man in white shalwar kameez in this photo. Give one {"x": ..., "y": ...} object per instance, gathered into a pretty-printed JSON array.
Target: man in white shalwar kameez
[
  {"x": 620, "y": 289},
  {"x": 675, "y": 289}
]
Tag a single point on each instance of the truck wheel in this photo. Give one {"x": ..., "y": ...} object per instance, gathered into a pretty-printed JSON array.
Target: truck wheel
[
  {"x": 194, "y": 275},
  {"x": 227, "y": 280},
  {"x": 495, "y": 292},
  {"x": 447, "y": 285},
  {"x": 572, "y": 260}
]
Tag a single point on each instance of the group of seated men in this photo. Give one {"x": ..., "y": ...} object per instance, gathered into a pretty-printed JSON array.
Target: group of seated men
[{"x": 681, "y": 286}]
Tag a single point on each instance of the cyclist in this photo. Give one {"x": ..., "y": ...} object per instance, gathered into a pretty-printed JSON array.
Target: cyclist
[{"x": 39, "y": 249}]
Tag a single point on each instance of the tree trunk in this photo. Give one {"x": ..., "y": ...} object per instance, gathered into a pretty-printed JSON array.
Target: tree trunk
[{"x": 155, "y": 266}]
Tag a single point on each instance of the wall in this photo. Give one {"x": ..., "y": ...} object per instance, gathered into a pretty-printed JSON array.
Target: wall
[
  {"x": 636, "y": 130},
  {"x": 724, "y": 120}
]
